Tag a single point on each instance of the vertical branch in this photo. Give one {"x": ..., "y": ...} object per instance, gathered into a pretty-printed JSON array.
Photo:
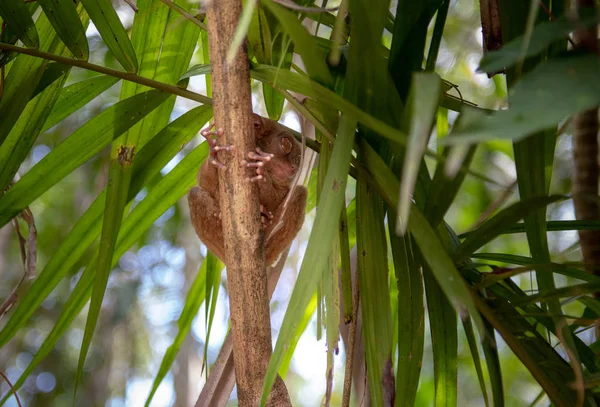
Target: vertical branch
[
  {"x": 219, "y": 385},
  {"x": 239, "y": 201},
  {"x": 585, "y": 155}
]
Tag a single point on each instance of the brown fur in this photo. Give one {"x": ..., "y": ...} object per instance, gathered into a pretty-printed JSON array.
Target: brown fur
[{"x": 278, "y": 177}]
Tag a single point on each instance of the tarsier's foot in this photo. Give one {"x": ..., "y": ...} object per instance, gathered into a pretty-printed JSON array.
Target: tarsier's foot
[
  {"x": 266, "y": 216},
  {"x": 212, "y": 142},
  {"x": 259, "y": 159}
]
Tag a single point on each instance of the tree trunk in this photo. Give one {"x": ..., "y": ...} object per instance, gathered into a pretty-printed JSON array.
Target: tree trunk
[
  {"x": 239, "y": 202},
  {"x": 585, "y": 157}
]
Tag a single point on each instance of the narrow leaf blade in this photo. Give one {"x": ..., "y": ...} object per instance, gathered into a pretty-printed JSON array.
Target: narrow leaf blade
[
  {"x": 83, "y": 144},
  {"x": 77, "y": 95},
  {"x": 65, "y": 20},
  {"x": 109, "y": 26},
  {"x": 426, "y": 89},
  {"x": 18, "y": 18}
]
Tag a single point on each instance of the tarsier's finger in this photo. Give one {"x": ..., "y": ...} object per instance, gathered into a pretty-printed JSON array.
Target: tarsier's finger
[
  {"x": 217, "y": 163},
  {"x": 223, "y": 148},
  {"x": 256, "y": 164},
  {"x": 213, "y": 153},
  {"x": 260, "y": 155},
  {"x": 209, "y": 131}
]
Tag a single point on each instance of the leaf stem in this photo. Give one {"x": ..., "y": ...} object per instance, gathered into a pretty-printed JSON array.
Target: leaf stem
[
  {"x": 184, "y": 13},
  {"x": 110, "y": 72}
]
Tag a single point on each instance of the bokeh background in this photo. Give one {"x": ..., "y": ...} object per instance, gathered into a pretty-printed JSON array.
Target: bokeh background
[{"x": 146, "y": 291}]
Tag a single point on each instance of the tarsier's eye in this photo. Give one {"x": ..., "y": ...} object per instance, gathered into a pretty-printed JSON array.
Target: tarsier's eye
[
  {"x": 257, "y": 126},
  {"x": 286, "y": 145}
]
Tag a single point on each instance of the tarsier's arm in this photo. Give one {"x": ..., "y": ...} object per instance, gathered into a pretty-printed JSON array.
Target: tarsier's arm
[{"x": 275, "y": 168}]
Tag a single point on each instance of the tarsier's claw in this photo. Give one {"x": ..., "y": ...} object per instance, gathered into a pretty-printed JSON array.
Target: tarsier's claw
[{"x": 255, "y": 178}]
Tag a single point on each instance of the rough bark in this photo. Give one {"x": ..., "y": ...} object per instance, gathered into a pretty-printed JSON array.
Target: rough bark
[
  {"x": 239, "y": 201},
  {"x": 219, "y": 385},
  {"x": 585, "y": 155}
]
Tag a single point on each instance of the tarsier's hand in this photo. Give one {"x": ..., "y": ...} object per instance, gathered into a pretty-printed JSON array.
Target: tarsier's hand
[
  {"x": 266, "y": 216},
  {"x": 212, "y": 142},
  {"x": 259, "y": 159}
]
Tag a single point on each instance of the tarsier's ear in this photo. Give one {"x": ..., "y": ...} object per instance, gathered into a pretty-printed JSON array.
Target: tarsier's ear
[
  {"x": 286, "y": 145},
  {"x": 258, "y": 125}
]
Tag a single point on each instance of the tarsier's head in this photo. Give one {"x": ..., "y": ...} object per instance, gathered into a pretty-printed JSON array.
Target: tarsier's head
[{"x": 274, "y": 138}]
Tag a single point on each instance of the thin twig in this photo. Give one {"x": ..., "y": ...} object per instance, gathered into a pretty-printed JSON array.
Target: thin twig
[
  {"x": 298, "y": 105},
  {"x": 28, "y": 249},
  {"x": 175, "y": 90},
  {"x": 21, "y": 239},
  {"x": 31, "y": 257},
  {"x": 10, "y": 300},
  {"x": 12, "y": 389},
  {"x": 351, "y": 343},
  {"x": 184, "y": 13},
  {"x": 547, "y": 11},
  {"x": 552, "y": 18},
  {"x": 294, "y": 6},
  {"x": 579, "y": 384},
  {"x": 133, "y": 6},
  {"x": 508, "y": 191}
]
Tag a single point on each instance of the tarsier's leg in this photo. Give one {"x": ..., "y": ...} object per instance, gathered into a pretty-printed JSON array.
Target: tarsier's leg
[
  {"x": 285, "y": 229},
  {"x": 206, "y": 218}
]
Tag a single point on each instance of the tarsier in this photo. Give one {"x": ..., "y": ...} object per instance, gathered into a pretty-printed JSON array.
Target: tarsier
[{"x": 275, "y": 163}]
